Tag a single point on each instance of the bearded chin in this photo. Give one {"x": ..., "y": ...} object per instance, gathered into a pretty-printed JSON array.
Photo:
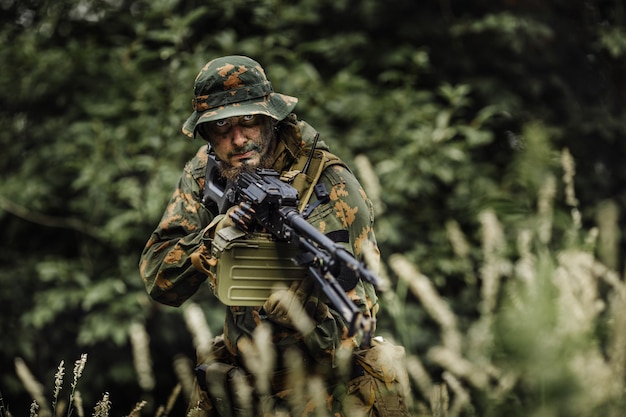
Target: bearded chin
[{"x": 231, "y": 172}]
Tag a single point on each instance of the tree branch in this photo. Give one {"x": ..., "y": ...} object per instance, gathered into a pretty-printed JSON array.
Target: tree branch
[{"x": 49, "y": 221}]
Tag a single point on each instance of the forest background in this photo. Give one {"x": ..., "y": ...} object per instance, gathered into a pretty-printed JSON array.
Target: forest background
[{"x": 489, "y": 134}]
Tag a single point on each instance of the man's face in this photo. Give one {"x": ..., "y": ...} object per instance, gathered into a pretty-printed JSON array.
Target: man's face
[{"x": 240, "y": 143}]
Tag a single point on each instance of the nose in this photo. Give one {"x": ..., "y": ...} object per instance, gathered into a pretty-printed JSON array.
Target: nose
[{"x": 239, "y": 139}]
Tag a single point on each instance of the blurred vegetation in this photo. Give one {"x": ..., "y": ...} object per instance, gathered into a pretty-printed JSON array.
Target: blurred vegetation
[{"x": 490, "y": 135}]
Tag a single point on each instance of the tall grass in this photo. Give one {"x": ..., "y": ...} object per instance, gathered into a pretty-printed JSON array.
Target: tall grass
[
  {"x": 549, "y": 339},
  {"x": 60, "y": 407}
]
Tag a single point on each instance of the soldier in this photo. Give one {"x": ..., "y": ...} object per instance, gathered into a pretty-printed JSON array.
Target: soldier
[{"x": 247, "y": 125}]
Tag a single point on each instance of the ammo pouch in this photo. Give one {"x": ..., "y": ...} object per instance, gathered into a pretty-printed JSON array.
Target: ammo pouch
[
  {"x": 250, "y": 268},
  {"x": 381, "y": 388}
]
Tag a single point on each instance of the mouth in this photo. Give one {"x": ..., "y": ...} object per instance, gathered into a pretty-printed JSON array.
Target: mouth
[{"x": 244, "y": 155}]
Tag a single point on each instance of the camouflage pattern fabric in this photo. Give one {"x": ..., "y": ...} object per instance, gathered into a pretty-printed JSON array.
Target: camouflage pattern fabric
[
  {"x": 234, "y": 86},
  {"x": 171, "y": 278}
]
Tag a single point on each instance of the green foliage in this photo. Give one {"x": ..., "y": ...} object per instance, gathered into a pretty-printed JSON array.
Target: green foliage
[{"x": 461, "y": 109}]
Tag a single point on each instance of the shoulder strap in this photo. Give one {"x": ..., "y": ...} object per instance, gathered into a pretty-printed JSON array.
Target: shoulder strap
[{"x": 305, "y": 182}]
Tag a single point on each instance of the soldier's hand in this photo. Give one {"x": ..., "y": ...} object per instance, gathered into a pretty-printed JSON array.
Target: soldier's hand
[
  {"x": 295, "y": 308},
  {"x": 242, "y": 216}
]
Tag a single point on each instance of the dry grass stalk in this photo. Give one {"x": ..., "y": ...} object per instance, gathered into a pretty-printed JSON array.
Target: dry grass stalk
[
  {"x": 103, "y": 407},
  {"x": 34, "y": 408},
  {"x": 461, "y": 399},
  {"x": 142, "y": 359},
  {"x": 459, "y": 366},
  {"x": 296, "y": 381},
  {"x": 243, "y": 394},
  {"x": 459, "y": 243},
  {"x": 579, "y": 303},
  {"x": 61, "y": 408},
  {"x": 165, "y": 410},
  {"x": 607, "y": 218},
  {"x": 4, "y": 412},
  {"x": 419, "y": 375},
  {"x": 183, "y": 367},
  {"x": 199, "y": 329},
  {"x": 421, "y": 286},
  {"x": 78, "y": 404},
  {"x": 524, "y": 268},
  {"x": 196, "y": 412},
  {"x": 461, "y": 249},
  {"x": 569, "y": 172},
  {"x": 480, "y": 335},
  {"x": 260, "y": 358},
  {"x": 135, "y": 412},
  {"x": 440, "y": 400},
  {"x": 58, "y": 385},
  {"x": 318, "y": 394},
  {"x": 494, "y": 263},
  {"x": 79, "y": 367},
  {"x": 371, "y": 256},
  {"x": 33, "y": 387},
  {"x": 370, "y": 181}
]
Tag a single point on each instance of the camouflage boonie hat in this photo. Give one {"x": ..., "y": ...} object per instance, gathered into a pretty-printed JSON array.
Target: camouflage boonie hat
[{"x": 234, "y": 86}]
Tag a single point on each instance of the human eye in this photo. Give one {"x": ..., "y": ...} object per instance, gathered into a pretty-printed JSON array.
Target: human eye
[
  {"x": 249, "y": 120},
  {"x": 221, "y": 126}
]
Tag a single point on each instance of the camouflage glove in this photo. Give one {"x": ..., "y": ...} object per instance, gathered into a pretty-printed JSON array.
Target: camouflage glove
[
  {"x": 241, "y": 216},
  {"x": 295, "y": 308},
  {"x": 202, "y": 260}
]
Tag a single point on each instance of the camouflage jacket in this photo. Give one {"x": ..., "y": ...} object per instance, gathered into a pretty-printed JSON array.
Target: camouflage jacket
[{"x": 171, "y": 278}]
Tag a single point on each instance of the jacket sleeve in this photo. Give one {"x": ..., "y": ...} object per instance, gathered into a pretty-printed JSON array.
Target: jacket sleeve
[{"x": 165, "y": 264}]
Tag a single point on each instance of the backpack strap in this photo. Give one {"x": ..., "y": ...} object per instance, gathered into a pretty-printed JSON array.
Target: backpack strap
[{"x": 304, "y": 182}]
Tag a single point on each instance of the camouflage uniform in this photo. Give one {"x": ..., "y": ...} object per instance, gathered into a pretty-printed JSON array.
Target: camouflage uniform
[{"x": 171, "y": 263}]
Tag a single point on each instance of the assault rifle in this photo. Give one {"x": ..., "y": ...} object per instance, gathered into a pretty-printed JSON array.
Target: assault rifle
[{"x": 274, "y": 207}]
